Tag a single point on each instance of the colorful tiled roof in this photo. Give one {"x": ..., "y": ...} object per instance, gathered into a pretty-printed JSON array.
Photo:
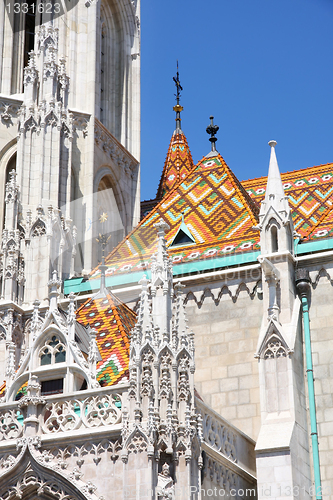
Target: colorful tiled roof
[
  {"x": 3, "y": 389},
  {"x": 310, "y": 194},
  {"x": 22, "y": 391},
  {"x": 113, "y": 321},
  {"x": 178, "y": 164},
  {"x": 217, "y": 211}
]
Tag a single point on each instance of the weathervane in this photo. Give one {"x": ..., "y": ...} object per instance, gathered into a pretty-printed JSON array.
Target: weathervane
[
  {"x": 212, "y": 130},
  {"x": 178, "y": 108}
]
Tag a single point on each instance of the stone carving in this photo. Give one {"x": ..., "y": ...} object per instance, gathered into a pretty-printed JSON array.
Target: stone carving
[
  {"x": 8, "y": 111},
  {"x": 137, "y": 443},
  {"x": 219, "y": 436},
  {"x": 220, "y": 475},
  {"x": 161, "y": 415},
  {"x": 71, "y": 414},
  {"x": 165, "y": 489},
  {"x": 80, "y": 123},
  {"x": 275, "y": 348},
  {"x": 10, "y": 424},
  {"x": 105, "y": 140},
  {"x": 7, "y": 461},
  {"x": 31, "y": 481},
  {"x": 233, "y": 292}
]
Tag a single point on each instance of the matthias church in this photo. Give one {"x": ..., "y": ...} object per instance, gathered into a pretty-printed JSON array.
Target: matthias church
[{"x": 177, "y": 348}]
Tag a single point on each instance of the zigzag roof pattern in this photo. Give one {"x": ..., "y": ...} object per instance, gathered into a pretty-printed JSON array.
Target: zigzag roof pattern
[
  {"x": 177, "y": 165},
  {"x": 113, "y": 321},
  {"x": 217, "y": 210},
  {"x": 310, "y": 196}
]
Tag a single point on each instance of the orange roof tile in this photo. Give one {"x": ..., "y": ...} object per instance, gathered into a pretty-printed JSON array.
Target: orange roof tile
[
  {"x": 178, "y": 164},
  {"x": 310, "y": 194},
  {"x": 2, "y": 389},
  {"x": 217, "y": 210},
  {"x": 113, "y": 321}
]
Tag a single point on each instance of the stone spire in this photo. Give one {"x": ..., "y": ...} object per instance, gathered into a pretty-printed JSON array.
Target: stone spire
[
  {"x": 53, "y": 285},
  {"x": 275, "y": 196},
  {"x": 275, "y": 221},
  {"x": 161, "y": 284},
  {"x": 161, "y": 397}
]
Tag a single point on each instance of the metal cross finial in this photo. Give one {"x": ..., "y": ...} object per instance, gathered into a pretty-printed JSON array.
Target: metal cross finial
[
  {"x": 212, "y": 130},
  {"x": 178, "y": 108},
  {"x": 178, "y": 86}
]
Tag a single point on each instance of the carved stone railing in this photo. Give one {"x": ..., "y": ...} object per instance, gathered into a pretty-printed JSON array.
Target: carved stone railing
[
  {"x": 11, "y": 422},
  {"x": 87, "y": 411},
  {"x": 217, "y": 433},
  {"x": 99, "y": 408},
  {"x": 222, "y": 437}
]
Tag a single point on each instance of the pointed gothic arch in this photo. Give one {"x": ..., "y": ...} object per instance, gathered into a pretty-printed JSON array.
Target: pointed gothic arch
[
  {"x": 108, "y": 200},
  {"x": 8, "y": 160},
  {"x": 27, "y": 478}
]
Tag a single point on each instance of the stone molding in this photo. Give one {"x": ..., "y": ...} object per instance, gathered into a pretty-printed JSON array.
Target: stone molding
[
  {"x": 216, "y": 294},
  {"x": 9, "y": 110},
  {"x": 116, "y": 151}
]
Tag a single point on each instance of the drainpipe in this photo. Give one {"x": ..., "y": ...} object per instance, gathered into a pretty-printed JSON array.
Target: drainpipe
[{"x": 303, "y": 287}]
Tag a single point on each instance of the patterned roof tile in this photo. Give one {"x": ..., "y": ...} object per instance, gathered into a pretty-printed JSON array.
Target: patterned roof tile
[
  {"x": 113, "y": 321},
  {"x": 217, "y": 210},
  {"x": 178, "y": 164},
  {"x": 310, "y": 194}
]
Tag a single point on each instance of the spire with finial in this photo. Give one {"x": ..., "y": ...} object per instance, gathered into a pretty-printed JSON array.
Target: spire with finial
[
  {"x": 212, "y": 130},
  {"x": 178, "y": 108},
  {"x": 275, "y": 196},
  {"x": 275, "y": 220}
]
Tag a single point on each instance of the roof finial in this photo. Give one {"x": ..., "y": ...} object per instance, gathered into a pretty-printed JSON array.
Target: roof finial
[
  {"x": 212, "y": 130},
  {"x": 178, "y": 108}
]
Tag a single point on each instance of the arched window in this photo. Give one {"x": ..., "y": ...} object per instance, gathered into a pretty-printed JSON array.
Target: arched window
[
  {"x": 111, "y": 223},
  {"x": 274, "y": 239},
  {"x": 53, "y": 351},
  {"x": 103, "y": 109},
  {"x": 29, "y": 31}
]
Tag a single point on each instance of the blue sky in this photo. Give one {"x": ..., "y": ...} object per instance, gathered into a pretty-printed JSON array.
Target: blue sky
[{"x": 263, "y": 68}]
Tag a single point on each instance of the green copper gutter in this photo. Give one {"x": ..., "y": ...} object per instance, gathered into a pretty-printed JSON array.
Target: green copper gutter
[
  {"x": 303, "y": 286},
  {"x": 82, "y": 285}
]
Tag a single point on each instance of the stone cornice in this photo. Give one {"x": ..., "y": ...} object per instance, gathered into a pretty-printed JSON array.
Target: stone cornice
[{"x": 112, "y": 147}]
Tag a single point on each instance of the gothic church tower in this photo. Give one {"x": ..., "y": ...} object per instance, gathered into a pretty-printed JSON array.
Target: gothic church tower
[{"x": 69, "y": 142}]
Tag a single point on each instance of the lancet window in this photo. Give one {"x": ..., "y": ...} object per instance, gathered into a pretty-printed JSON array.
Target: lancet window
[{"x": 53, "y": 351}]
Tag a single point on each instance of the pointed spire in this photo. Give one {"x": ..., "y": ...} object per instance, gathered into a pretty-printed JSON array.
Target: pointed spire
[
  {"x": 275, "y": 220},
  {"x": 103, "y": 241},
  {"x": 274, "y": 189},
  {"x": 35, "y": 322},
  {"x": 178, "y": 108},
  {"x": 71, "y": 316},
  {"x": 54, "y": 284},
  {"x": 93, "y": 356},
  {"x": 144, "y": 327},
  {"x": 275, "y": 196}
]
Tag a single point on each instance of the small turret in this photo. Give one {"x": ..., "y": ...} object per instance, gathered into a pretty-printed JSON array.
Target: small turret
[{"x": 275, "y": 221}]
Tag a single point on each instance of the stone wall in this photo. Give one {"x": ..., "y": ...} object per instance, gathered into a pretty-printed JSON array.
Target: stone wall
[
  {"x": 321, "y": 327},
  {"x": 226, "y": 334}
]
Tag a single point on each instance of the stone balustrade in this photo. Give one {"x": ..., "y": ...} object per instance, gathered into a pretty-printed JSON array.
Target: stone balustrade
[
  {"x": 60, "y": 413},
  {"x": 232, "y": 445}
]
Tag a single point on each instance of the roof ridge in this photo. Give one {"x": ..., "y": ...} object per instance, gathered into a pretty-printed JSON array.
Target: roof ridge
[
  {"x": 246, "y": 198},
  {"x": 252, "y": 205},
  {"x": 288, "y": 172}
]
